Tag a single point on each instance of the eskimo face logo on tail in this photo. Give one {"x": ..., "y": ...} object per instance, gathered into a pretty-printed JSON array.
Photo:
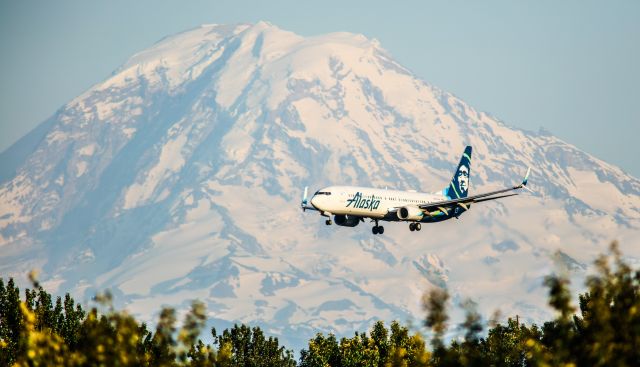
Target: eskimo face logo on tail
[
  {"x": 463, "y": 179},
  {"x": 357, "y": 201}
]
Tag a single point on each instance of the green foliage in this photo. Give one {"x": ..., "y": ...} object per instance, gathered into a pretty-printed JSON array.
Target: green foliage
[
  {"x": 607, "y": 330},
  {"x": 34, "y": 332},
  {"x": 506, "y": 345},
  {"x": 10, "y": 322},
  {"x": 249, "y": 347},
  {"x": 322, "y": 351},
  {"x": 38, "y": 331},
  {"x": 605, "y": 333},
  {"x": 64, "y": 321},
  {"x": 384, "y": 347}
]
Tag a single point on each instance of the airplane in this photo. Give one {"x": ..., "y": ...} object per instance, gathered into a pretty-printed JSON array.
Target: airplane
[{"x": 350, "y": 205}]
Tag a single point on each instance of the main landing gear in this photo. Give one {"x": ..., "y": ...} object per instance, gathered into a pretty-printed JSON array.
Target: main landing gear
[
  {"x": 415, "y": 227},
  {"x": 377, "y": 229}
]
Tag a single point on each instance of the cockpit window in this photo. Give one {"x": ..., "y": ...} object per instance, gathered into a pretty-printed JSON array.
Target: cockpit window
[{"x": 323, "y": 193}]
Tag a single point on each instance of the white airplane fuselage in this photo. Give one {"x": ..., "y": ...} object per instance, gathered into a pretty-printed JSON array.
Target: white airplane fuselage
[{"x": 373, "y": 203}]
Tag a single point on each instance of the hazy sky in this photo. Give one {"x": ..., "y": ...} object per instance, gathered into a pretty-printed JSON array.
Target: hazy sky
[{"x": 569, "y": 66}]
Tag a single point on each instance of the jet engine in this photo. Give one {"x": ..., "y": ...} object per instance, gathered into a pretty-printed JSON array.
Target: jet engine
[
  {"x": 346, "y": 220},
  {"x": 410, "y": 213}
]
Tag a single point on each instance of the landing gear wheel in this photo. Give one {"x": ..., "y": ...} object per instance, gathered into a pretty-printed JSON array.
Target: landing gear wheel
[
  {"x": 417, "y": 226},
  {"x": 327, "y": 222},
  {"x": 377, "y": 229},
  {"x": 412, "y": 227}
]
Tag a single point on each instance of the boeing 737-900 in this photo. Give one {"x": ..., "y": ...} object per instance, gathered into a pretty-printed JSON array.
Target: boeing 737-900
[{"x": 350, "y": 205}]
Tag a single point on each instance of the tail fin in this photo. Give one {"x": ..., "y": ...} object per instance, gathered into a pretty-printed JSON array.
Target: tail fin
[{"x": 459, "y": 186}]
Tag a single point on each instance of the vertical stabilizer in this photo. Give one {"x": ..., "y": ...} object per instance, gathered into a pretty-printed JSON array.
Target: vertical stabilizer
[{"x": 459, "y": 185}]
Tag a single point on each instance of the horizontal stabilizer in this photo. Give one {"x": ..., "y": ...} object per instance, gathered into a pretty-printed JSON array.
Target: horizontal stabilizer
[{"x": 304, "y": 204}]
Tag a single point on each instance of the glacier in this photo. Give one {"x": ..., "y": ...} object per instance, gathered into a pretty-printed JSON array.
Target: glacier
[{"x": 179, "y": 177}]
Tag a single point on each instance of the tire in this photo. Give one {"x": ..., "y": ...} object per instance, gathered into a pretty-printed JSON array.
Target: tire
[
  {"x": 417, "y": 226},
  {"x": 412, "y": 227},
  {"x": 381, "y": 230},
  {"x": 327, "y": 222},
  {"x": 374, "y": 230}
]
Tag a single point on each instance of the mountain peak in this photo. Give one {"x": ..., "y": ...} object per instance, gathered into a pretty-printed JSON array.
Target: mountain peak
[{"x": 178, "y": 177}]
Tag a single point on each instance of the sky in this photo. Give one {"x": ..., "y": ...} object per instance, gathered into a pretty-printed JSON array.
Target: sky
[{"x": 570, "y": 67}]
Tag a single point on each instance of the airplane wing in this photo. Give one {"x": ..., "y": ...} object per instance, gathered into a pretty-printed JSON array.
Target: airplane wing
[{"x": 463, "y": 202}]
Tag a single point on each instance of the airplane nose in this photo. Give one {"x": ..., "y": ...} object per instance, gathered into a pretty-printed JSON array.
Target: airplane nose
[{"x": 314, "y": 201}]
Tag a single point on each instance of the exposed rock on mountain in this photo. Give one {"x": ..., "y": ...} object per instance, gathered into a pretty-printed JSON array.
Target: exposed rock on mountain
[{"x": 179, "y": 177}]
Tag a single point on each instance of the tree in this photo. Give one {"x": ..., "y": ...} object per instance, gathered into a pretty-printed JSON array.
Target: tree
[
  {"x": 380, "y": 338},
  {"x": 607, "y": 330},
  {"x": 322, "y": 351},
  {"x": 506, "y": 345},
  {"x": 394, "y": 347},
  {"x": 249, "y": 347},
  {"x": 11, "y": 322},
  {"x": 71, "y": 321}
]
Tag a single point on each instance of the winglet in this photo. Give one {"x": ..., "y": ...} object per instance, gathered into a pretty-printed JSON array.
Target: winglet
[{"x": 526, "y": 177}]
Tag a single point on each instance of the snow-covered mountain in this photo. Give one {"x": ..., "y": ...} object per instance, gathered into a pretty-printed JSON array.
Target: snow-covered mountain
[{"x": 179, "y": 177}]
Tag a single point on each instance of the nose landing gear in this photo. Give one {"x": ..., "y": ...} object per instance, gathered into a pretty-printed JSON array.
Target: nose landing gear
[{"x": 415, "y": 227}]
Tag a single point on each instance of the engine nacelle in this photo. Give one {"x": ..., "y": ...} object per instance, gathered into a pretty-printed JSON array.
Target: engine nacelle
[
  {"x": 410, "y": 213},
  {"x": 346, "y": 220}
]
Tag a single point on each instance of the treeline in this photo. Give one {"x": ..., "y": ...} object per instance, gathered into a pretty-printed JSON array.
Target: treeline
[{"x": 604, "y": 331}]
